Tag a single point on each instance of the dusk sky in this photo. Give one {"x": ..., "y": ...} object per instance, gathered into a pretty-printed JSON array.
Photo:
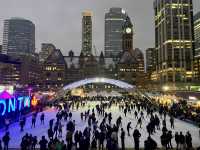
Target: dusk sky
[{"x": 59, "y": 21}]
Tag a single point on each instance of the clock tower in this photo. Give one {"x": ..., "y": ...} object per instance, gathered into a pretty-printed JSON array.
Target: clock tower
[{"x": 127, "y": 37}]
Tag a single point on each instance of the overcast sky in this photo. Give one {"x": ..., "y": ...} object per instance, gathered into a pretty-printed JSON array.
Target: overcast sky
[{"x": 59, "y": 21}]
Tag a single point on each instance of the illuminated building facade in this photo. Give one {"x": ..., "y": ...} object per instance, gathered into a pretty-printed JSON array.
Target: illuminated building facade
[
  {"x": 127, "y": 67},
  {"x": 18, "y": 36},
  {"x": 150, "y": 60},
  {"x": 174, "y": 41},
  {"x": 150, "y": 66},
  {"x": 9, "y": 70},
  {"x": 23, "y": 70},
  {"x": 54, "y": 70},
  {"x": 197, "y": 46},
  {"x": 87, "y": 33},
  {"x": 114, "y": 22}
]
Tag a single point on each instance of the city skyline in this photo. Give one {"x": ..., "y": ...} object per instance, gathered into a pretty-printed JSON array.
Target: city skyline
[{"x": 60, "y": 22}]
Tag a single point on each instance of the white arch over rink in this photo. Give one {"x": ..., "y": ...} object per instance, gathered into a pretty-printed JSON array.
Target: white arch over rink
[{"x": 118, "y": 83}]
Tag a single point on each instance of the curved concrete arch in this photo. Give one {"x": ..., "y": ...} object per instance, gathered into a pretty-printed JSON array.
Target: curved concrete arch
[{"x": 118, "y": 83}]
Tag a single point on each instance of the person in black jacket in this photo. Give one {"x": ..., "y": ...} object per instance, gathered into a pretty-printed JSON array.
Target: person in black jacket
[
  {"x": 122, "y": 138},
  {"x": 128, "y": 128},
  {"x": 177, "y": 140},
  {"x": 188, "y": 140},
  {"x": 150, "y": 144},
  {"x": 6, "y": 139},
  {"x": 136, "y": 137},
  {"x": 182, "y": 141},
  {"x": 43, "y": 143},
  {"x": 0, "y": 145}
]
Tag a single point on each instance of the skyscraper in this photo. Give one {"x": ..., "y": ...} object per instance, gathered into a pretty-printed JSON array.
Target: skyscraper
[
  {"x": 18, "y": 36},
  {"x": 150, "y": 60},
  {"x": 174, "y": 41},
  {"x": 139, "y": 56},
  {"x": 197, "y": 34},
  {"x": 87, "y": 33},
  {"x": 114, "y": 22},
  {"x": 197, "y": 45}
]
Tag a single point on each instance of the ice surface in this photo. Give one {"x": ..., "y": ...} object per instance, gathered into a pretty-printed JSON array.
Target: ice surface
[{"x": 50, "y": 113}]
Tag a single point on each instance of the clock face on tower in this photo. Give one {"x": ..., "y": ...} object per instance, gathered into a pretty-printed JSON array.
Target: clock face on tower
[{"x": 128, "y": 30}]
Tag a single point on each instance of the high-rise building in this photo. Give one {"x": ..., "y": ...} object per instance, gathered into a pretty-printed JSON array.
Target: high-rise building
[
  {"x": 197, "y": 34},
  {"x": 174, "y": 41},
  {"x": 197, "y": 46},
  {"x": 18, "y": 36},
  {"x": 87, "y": 33},
  {"x": 150, "y": 60},
  {"x": 139, "y": 56},
  {"x": 114, "y": 22}
]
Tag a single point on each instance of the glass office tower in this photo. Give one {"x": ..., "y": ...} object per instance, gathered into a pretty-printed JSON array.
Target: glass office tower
[
  {"x": 18, "y": 36},
  {"x": 174, "y": 41}
]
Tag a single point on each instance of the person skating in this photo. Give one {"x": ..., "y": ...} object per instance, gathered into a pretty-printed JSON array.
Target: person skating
[
  {"x": 109, "y": 118},
  {"x": 60, "y": 130},
  {"x": 136, "y": 137},
  {"x": 42, "y": 118},
  {"x": 164, "y": 140},
  {"x": 6, "y": 140},
  {"x": 94, "y": 144},
  {"x": 43, "y": 143},
  {"x": 182, "y": 141},
  {"x": 119, "y": 121},
  {"x": 122, "y": 139},
  {"x": 55, "y": 130},
  {"x": 101, "y": 140},
  {"x": 136, "y": 115},
  {"x": 164, "y": 123},
  {"x": 150, "y": 144},
  {"x": 125, "y": 111},
  {"x": 139, "y": 122},
  {"x": 50, "y": 134},
  {"x": 34, "y": 143},
  {"x": 128, "y": 128},
  {"x": 169, "y": 139},
  {"x": 172, "y": 122},
  {"x": 69, "y": 137},
  {"x": 21, "y": 124},
  {"x": 188, "y": 140},
  {"x": 51, "y": 123},
  {"x": 70, "y": 115},
  {"x": 1, "y": 148},
  {"x": 81, "y": 116},
  {"x": 76, "y": 138},
  {"x": 177, "y": 140},
  {"x": 33, "y": 120}
]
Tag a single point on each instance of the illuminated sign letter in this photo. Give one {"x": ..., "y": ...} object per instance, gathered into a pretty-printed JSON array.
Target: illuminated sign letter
[
  {"x": 20, "y": 99},
  {"x": 27, "y": 102},
  {"x": 11, "y": 104},
  {"x": 2, "y": 102}
]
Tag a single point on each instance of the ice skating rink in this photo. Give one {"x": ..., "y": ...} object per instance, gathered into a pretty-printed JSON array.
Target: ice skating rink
[{"x": 50, "y": 113}]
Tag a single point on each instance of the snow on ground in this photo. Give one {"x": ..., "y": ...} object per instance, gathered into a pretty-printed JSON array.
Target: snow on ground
[{"x": 50, "y": 113}]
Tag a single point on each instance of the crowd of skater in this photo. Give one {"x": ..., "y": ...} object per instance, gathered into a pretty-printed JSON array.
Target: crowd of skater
[{"x": 101, "y": 130}]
